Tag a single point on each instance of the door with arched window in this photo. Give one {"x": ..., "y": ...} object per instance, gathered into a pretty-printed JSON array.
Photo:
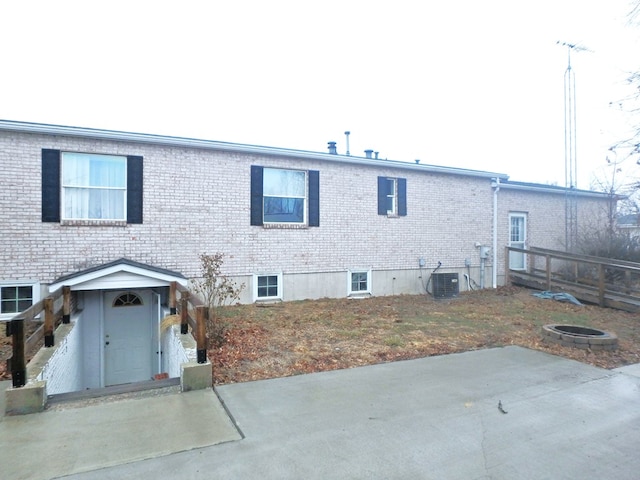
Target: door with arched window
[{"x": 128, "y": 337}]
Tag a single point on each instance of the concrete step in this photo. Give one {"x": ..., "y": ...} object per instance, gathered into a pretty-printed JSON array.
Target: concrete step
[{"x": 114, "y": 393}]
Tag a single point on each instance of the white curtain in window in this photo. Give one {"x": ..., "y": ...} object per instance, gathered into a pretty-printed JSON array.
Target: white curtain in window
[{"x": 94, "y": 186}]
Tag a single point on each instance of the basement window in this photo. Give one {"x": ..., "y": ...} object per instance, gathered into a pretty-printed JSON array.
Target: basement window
[
  {"x": 268, "y": 287},
  {"x": 16, "y": 298},
  {"x": 359, "y": 282}
]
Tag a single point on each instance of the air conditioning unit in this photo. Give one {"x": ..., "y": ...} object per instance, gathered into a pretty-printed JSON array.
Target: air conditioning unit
[{"x": 444, "y": 285}]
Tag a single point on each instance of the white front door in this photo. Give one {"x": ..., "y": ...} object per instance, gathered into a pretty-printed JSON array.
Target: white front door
[
  {"x": 128, "y": 337},
  {"x": 518, "y": 239}
]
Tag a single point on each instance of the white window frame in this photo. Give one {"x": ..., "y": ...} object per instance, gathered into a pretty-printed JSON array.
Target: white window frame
[
  {"x": 393, "y": 195},
  {"x": 518, "y": 260},
  {"x": 278, "y": 295},
  {"x": 350, "y": 291},
  {"x": 64, "y": 187},
  {"x": 35, "y": 294},
  {"x": 305, "y": 198}
]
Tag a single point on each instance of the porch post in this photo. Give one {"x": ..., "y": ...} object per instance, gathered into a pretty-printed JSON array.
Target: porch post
[
  {"x": 184, "y": 312},
  {"x": 49, "y": 320},
  {"x": 17, "y": 364},
  {"x": 507, "y": 271},
  {"x": 172, "y": 298},
  {"x": 66, "y": 304},
  {"x": 202, "y": 315}
]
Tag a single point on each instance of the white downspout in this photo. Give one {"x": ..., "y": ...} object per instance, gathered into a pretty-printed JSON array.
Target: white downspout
[{"x": 494, "y": 271}]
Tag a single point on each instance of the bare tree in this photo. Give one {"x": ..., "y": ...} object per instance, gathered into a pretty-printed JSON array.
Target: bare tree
[{"x": 217, "y": 290}]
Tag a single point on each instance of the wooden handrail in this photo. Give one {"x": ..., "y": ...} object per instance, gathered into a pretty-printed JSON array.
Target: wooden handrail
[
  {"x": 596, "y": 283},
  {"x": 189, "y": 302}
]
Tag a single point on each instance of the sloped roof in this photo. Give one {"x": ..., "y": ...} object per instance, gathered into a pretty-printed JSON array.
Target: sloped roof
[
  {"x": 555, "y": 189},
  {"x": 114, "y": 135},
  {"x": 118, "y": 274}
]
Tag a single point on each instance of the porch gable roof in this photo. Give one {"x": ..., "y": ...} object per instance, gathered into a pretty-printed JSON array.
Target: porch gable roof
[{"x": 119, "y": 274}]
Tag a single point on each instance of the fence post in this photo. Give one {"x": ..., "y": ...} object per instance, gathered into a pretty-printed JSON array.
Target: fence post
[
  {"x": 49, "y": 321},
  {"x": 172, "y": 298},
  {"x": 507, "y": 272},
  {"x": 202, "y": 315},
  {"x": 601, "y": 284},
  {"x": 548, "y": 270},
  {"x": 184, "y": 313},
  {"x": 66, "y": 304},
  {"x": 17, "y": 364}
]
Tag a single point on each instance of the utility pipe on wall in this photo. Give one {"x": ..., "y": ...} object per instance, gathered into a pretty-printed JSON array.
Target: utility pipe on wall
[{"x": 494, "y": 271}]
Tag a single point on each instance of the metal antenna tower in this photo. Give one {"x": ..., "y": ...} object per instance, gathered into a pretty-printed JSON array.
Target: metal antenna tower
[{"x": 570, "y": 158}]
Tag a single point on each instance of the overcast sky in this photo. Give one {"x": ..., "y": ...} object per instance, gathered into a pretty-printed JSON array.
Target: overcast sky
[{"x": 467, "y": 83}]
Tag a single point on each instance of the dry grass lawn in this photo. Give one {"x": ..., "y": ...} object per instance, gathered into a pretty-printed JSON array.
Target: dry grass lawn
[{"x": 314, "y": 335}]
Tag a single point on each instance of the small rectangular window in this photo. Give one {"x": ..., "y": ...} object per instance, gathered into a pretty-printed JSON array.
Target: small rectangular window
[
  {"x": 359, "y": 282},
  {"x": 268, "y": 287},
  {"x": 392, "y": 196},
  {"x": 16, "y": 298}
]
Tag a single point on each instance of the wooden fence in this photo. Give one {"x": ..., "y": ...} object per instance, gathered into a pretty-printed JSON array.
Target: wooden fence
[
  {"x": 603, "y": 281},
  {"x": 192, "y": 312}
]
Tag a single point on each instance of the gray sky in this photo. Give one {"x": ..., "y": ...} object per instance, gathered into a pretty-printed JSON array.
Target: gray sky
[{"x": 467, "y": 83}]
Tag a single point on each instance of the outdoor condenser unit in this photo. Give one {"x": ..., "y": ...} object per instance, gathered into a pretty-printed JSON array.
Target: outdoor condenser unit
[{"x": 444, "y": 285}]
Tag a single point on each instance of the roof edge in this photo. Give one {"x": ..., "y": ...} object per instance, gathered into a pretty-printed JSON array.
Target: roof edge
[
  {"x": 115, "y": 135},
  {"x": 555, "y": 189}
]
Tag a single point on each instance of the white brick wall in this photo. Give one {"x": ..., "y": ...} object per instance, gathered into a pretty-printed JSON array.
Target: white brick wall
[
  {"x": 197, "y": 201},
  {"x": 63, "y": 371},
  {"x": 177, "y": 350}
]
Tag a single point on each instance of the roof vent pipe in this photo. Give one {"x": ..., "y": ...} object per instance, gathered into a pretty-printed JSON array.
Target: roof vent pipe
[
  {"x": 347, "y": 133},
  {"x": 376, "y": 154},
  {"x": 368, "y": 153},
  {"x": 332, "y": 148}
]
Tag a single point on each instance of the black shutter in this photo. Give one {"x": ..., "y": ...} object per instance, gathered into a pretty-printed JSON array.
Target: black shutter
[
  {"x": 382, "y": 195},
  {"x": 50, "y": 185},
  {"x": 314, "y": 198},
  {"x": 256, "y": 195},
  {"x": 134, "y": 189},
  {"x": 402, "y": 196}
]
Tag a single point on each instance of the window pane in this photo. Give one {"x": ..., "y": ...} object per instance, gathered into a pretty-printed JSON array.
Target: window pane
[
  {"x": 85, "y": 170},
  {"x": 9, "y": 293},
  {"x": 278, "y": 209},
  {"x": 391, "y": 186},
  {"x": 283, "y": 183}
]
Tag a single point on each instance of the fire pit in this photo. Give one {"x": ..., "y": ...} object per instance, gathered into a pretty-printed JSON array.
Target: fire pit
[{"x": 580, "y": 337}]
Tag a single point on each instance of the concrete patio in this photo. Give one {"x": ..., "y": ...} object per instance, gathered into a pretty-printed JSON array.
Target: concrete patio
[{"x": 431, "y": 418}]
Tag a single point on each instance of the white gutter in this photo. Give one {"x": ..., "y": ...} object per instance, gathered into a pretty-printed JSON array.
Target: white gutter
[
  {"x": 92, "y": 133},
  {"x": 494, "y": 271}
]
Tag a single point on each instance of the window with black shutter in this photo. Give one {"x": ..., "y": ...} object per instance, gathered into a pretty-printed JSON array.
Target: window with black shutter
[
  {"x": 91, "y": 187},
  {"x": 284, "y": 197},
  {"x": 392, "y": 196}
]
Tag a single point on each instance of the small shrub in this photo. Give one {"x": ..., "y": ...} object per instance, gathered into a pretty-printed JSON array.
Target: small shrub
[{"x": 216, "y": 290}]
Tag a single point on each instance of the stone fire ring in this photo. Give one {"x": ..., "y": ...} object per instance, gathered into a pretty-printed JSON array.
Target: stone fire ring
[{"x": 579, "y": 337}]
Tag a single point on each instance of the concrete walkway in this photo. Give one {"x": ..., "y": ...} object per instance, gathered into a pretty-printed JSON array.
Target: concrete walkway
[
  {"x": 78, "y": 439},
  {"x": 432, "y": 418}
]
